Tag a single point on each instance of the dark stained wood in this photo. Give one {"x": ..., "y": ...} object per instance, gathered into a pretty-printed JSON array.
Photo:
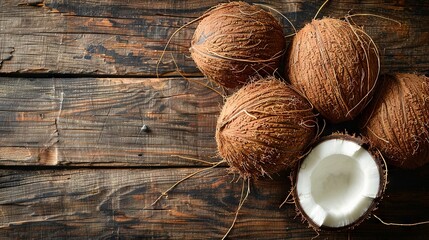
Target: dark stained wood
[
  {"x": 115, "y": 204},
  {"x": 88, "y": 135},
  {"x": 127, "y": 37},
  {"x": 108, "y": 121}
]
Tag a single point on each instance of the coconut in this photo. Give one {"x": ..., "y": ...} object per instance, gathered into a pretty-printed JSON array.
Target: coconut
[
  {"x": 264, "y": 127},
  {"x": 339, "y": 183},
  {"x": 397, "y": 121},
  {"x": 335, "y": 65},
  {"x": 237, "y": 40}
]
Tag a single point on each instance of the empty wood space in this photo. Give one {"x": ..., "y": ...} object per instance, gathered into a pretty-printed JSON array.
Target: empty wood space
[{"x": 90, "y": 136}]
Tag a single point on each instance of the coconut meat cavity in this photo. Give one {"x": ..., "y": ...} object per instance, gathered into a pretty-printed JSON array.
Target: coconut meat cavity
[{"x": 337, "y": 183}]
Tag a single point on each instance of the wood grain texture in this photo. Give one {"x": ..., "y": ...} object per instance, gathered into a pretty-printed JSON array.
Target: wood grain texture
[
  {"x": 89, "y": 121},
  {"x": 126, "y": 38},
  {"x": 85, "y": 147},
  {"x": 115, "y": 204}
]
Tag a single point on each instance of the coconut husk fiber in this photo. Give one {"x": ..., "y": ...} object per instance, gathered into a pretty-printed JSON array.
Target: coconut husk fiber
[
  {"x": 335, "y": 65},
  {"x": 397, "y": 120},
  {"x": 265, "y": 127},
  {"x": 235, "y": 41}
]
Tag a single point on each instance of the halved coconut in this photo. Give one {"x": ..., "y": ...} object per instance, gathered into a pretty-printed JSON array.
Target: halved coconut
[{"x": 339, "y": 183}]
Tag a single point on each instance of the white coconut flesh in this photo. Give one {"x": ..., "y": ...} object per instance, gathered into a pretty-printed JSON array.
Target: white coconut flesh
[{"x": 337, "y": 183}]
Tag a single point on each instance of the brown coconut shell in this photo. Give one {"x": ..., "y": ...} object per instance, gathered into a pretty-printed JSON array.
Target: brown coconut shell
[
  {"x": 363, "y": 142},
  {"x": 264, "y": 127},
  {"x": 335, "y": 65},
  {"x": 235, "y": 41},
  {"x": 397, "y": 120}
]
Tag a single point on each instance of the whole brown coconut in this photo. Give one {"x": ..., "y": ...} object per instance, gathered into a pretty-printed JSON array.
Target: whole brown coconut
[
  {"x": 335, "y": 65},
  {"x": 397, "y": 121},
  {"x": 264, "y": 128},
  {"x": 236, "y": 40}
]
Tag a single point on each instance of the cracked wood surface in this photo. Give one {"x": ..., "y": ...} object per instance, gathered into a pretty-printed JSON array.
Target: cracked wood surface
[
  {"x": 127, "y": 38},
  {"x": 115, "y": 204},
  {"x": 86, "y": 146},
  {"x": 90, "y": 121}
]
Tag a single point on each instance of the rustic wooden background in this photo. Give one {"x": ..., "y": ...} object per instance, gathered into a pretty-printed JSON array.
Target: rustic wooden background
[{"x": 90, "y": 137}]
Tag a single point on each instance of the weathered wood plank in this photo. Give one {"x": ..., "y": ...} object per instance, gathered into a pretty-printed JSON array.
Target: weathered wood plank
[
  {"x": 126, "y": 38},
  {"x": 114, "y": 204},
  {"x": 89, "y": 121}
]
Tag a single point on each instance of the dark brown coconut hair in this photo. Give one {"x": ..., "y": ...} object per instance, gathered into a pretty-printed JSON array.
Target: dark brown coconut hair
[
  {"x": 264, "y": 128},
  {"x": 397, "y": 121},
  {"x": 236, "y": 40},
  {"x": 335, "y": 65}
]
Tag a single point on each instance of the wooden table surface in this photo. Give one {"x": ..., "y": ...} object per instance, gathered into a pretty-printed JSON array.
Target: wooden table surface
[{"x": 90, "y": 136}]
